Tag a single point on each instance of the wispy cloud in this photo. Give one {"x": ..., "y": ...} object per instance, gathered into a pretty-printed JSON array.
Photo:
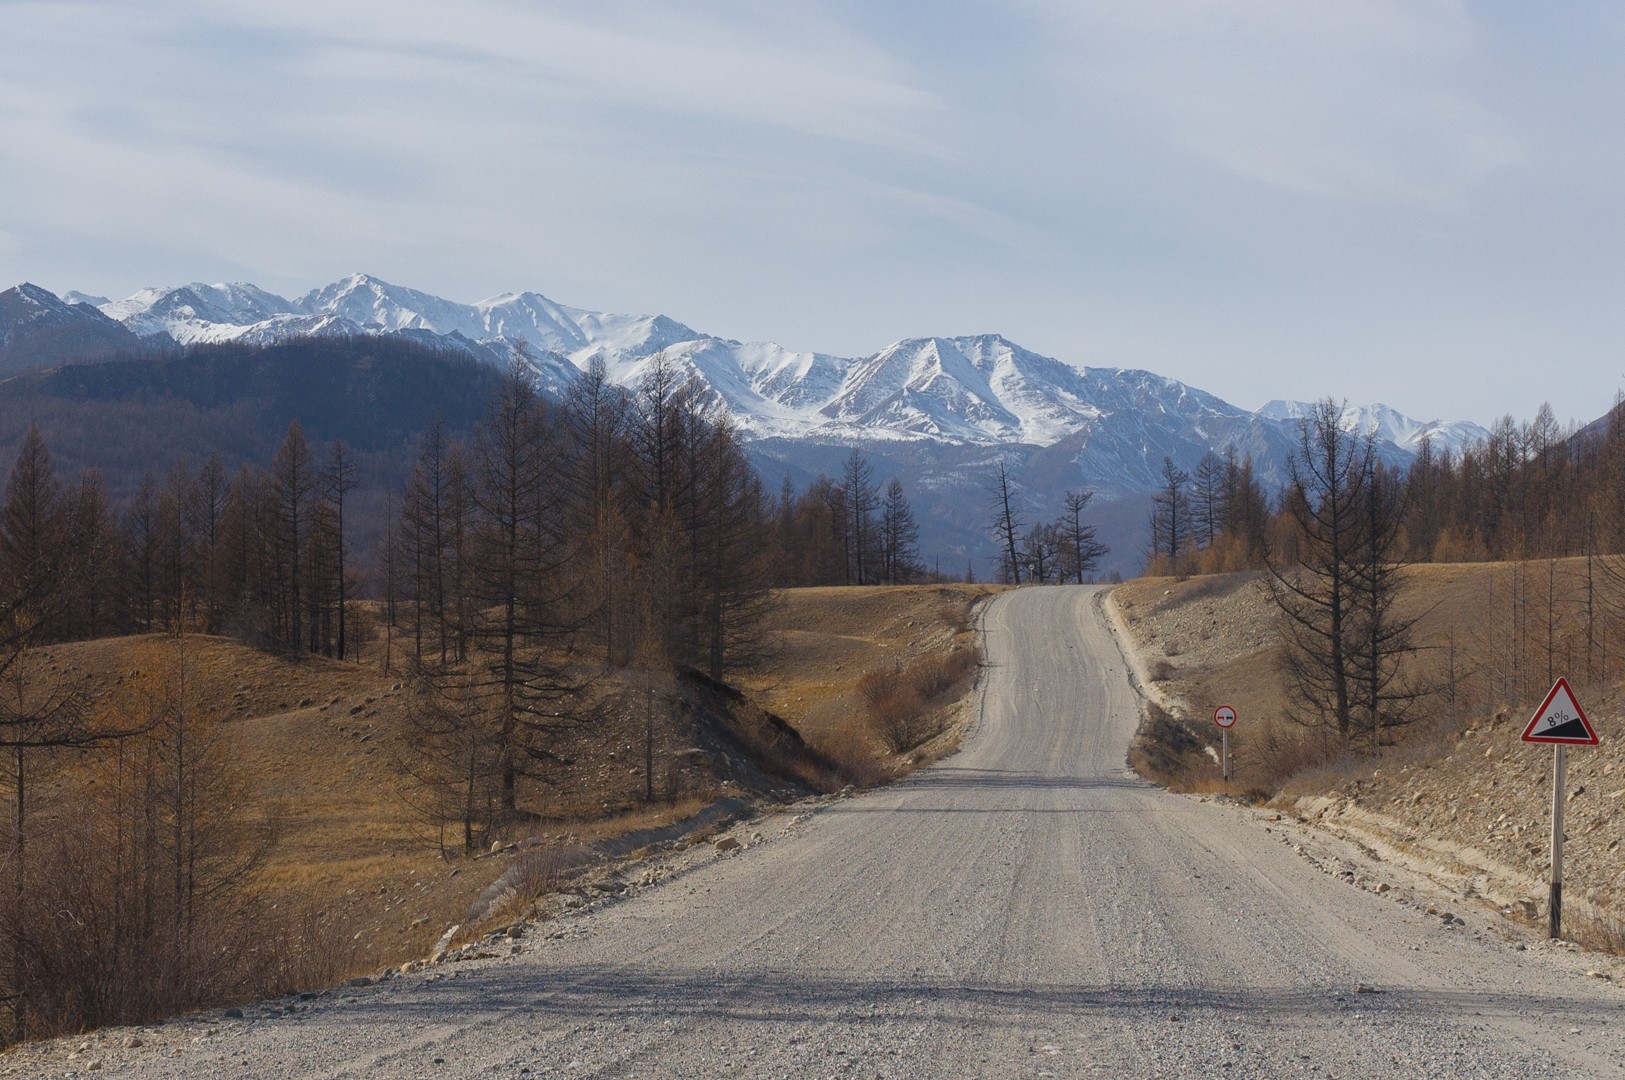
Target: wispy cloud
[
  {"x": 773, "y": 65},
  {"x": 1324, "y": 97},
  {"x": 1237, "y": 192}
]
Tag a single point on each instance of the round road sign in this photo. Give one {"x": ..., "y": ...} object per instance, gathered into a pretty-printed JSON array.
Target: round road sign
[{"x": 1224, "y": 716}]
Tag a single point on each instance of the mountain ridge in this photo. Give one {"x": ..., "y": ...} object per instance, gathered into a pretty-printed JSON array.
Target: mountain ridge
[
  {"x": 981, "y": 388},
  {"x": 942, "y": 413}
]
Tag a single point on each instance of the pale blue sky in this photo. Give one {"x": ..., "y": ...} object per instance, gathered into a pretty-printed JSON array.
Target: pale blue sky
[{"x": 1411, "y": 202}]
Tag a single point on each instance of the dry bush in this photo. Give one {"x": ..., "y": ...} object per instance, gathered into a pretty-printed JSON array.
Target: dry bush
[
  {"x": 877, "y": 684},
  {"x": 1323, "y": 770},
  {"x": 955, "y": 617},
  {"x": 1167, "y": 752},
  {"x": 537, "y": 872},
  {"x": 935, "y": 674},
  {"x": 907, "y": 707},
  {"x": 92, "y": 962},
  {"x": 1160, "y": 670},
  {"x": 1603, "y": 931},
  {"x": 1279, "y": 755},
  {"x": 305, "y": 950},
  {"x": 903, "y": 720},
  {"x": 139, "y": 906},
  {"x": 851, "y": 747}
]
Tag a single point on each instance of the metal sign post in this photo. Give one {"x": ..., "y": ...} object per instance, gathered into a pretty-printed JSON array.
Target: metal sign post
[
  {"x": 1225, "y": 717},
  {"x": 1554, "y": 897},
  {"x": 1561, "y": 722}
]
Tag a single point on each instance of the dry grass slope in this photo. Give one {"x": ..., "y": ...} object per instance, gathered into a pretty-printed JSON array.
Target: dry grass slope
[
  {"x": 1455, "y": 789},
  {"x": 350, "y": 879}
]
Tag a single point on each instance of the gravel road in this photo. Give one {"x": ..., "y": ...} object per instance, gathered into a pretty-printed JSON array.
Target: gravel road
[{"x": 1027, "y": 908}]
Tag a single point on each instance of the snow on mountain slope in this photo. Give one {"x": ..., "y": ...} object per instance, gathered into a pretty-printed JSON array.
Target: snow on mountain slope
[
  {"x": 942, "y": 413},
  {"x": 531, "y": 316},
  {"x": 1389, "y": 425},
  {"x": 796, "y": 380},
  {"x": 198, "y": 312},
  {"x": 281, "y": 328},
  {"x": 372, "y": 303},
  {"x": 923, "y": 387},
  {"x": 1113, "y": 424}
]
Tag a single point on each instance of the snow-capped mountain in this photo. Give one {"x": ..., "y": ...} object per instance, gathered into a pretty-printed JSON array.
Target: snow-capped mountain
[
  {"x": 38, "y": 326},
  {"x": 941, "y": 412},
  {"x": 199, "y": 312},
  {"x": 1389, "y": 425},
  {"x": 983, "y": 390}
]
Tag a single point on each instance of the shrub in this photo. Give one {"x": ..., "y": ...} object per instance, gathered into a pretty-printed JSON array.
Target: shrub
[
  {"x": 537, "y": 872},
  {"x": 955, "y": 616},
  {"x": 905, "y": 706},
  {"x": 1166, "y": 751},
  {"x": 876, "y": 685},
  {"x": 933, "y": 675},
  {"x": 903, "y": 721},
  {"x": 851, "y": 748},
  {"x": 1601, "y": 930}
]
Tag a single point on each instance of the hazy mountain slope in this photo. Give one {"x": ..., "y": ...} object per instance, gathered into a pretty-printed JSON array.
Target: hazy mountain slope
[
  {"x": 127, "y": 417},
  {"x": 38, "y": 329},
  {"x": 1389, "y": 425}
]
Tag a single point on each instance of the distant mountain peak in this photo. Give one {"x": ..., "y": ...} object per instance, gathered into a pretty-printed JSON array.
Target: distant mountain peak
[
  {"x": 39, "y": 329},
  {"x": 1388, "y": 424},
  {"x": 29, "y": 293}
]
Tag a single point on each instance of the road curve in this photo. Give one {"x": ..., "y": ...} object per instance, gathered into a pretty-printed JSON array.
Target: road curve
[{"x": 1026, "y": 908}]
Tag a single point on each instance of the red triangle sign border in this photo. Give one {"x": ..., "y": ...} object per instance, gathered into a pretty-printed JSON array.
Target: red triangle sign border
[{"x": 1588, "y": 739}]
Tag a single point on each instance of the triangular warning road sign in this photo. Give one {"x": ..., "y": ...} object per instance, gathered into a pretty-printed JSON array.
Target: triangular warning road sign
[{"x": 1561, "y": 720}]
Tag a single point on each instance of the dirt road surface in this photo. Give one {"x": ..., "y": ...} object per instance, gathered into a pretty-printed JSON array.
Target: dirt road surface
[{"x": 1027, "y": 908}]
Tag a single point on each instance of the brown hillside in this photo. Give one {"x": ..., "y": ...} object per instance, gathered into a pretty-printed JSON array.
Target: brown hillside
[
  {"x": 320, "y": 749},
  {"x": 1456, "y": 790},
  {"x": 826, "y": 639}
]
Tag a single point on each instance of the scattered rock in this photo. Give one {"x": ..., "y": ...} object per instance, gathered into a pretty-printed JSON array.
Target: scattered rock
[
  {"x": 725, "y": 843},
  {"x": 361, "y": 980},
  {"x": 131, "y": 1042},
  {"x": 233, "y": 1014}
]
